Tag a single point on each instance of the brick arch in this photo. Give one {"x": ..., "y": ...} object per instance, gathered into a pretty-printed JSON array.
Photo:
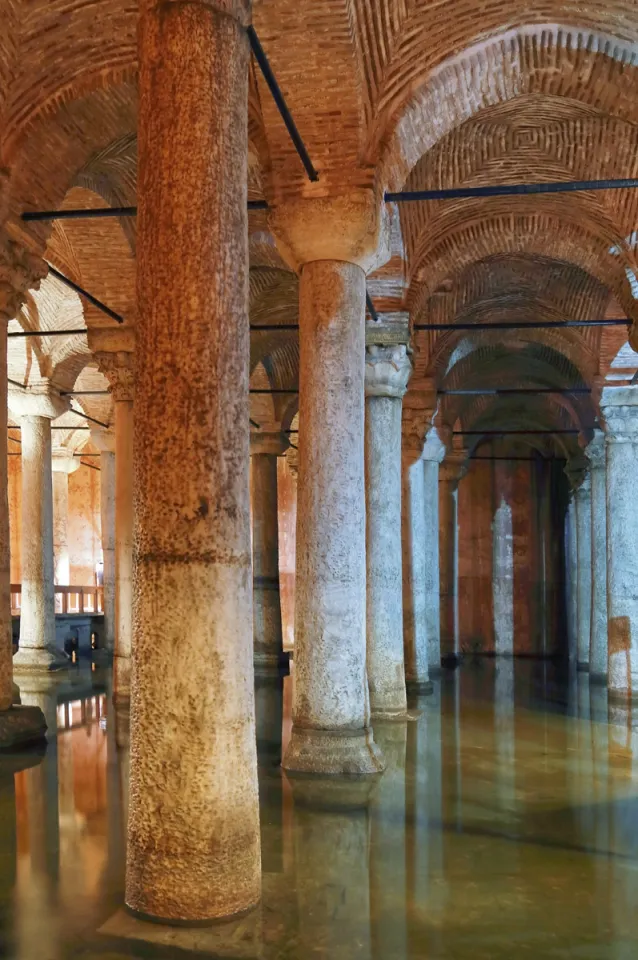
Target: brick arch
[{"x": 417, "y": 98}]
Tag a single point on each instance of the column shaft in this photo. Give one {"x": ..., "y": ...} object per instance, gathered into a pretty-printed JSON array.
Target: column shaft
[
  {"x": 331, "y": 709},
  {"x": 107, "y": 511},
  {"x": 61, "y": 562},
  {"x": 583, "y": 519},
  {"x": 598, "y": 629},
  {"x": 503, "y": 563},
  {"x": 267, "y": 632},
  {"x": 123, "y": 416},
  {"x": 448, "y": 544},
  {"x": 193, "y": 828},
  {"x": 431, "y": 563},
  {"x": 37, "y": 614},
  {"x": 6, "y": 643},
  {"x": 415, "y": 636},
  {"x": 571, "y": 555}
]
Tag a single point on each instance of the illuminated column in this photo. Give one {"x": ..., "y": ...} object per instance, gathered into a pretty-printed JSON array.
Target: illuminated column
[
  {"x": 503, "y": 563},
  {"x": 62, "y": 465},
  {"x": 105, "y": 442}
]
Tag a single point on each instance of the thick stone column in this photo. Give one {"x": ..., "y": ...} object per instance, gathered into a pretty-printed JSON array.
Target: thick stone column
[
  {"x": 267, "y": 630},
  {"x": 387, "y": 371},
  {"x": 118, "y": 368},
  {"x": 619, "y": 407},
  {"x": 334, "y": 242},
  {"x": 193, "y": 826},
  {"x": 105, "y": 442},
  {"x": 18, "y": 271},
  {"x": 62, "y": 465},
  {"x": 597, "y": 457},
  {"x": 583, "y": 520},
  {"x": 450, "y": 474},
  {"x": 503, "y": 563},
  {"x": 571, "y": 563},
  {"x": 36, "y": 408},
  {"x": 433, "y": 453}
]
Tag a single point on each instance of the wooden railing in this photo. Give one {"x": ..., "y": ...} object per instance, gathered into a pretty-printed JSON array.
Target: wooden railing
[{"x": 68, "y": 600}]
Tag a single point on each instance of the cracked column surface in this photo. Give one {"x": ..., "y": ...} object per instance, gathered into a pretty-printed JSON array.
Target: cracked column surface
[
  {"x": 267, "y": 628},
  {"x": 105, "y": 442},
  {"x": 596, "y": 454},
  {"x": 35, "y": 409},
  {"x": 334, "y": 243},
  {"x": 193, "y": 851},
  {"x": 387, "y": 370},
  {"x": 584, "y": 585},
  {"x": 619, "y": 407}
]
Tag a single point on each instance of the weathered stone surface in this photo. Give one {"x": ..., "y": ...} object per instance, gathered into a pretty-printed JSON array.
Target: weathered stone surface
[
  {"x": 597, "y": 456},
  {"x": 193, "y": 827},
  {"x": 503, "y": 564},
  {"x": 331, "y": 707},
  {"x": 21, "y": 725}
]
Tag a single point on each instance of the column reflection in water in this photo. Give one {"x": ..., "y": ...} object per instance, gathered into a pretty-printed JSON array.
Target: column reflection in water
[
  {"x": 505, "y": 736},
  {"x": 8, "y": 854},
  {"x": 623, "y": 880},
  {"x": 332, "y": 862},
  {"x": 269, "y": 705},
  {"x": 389, "y": 821}
]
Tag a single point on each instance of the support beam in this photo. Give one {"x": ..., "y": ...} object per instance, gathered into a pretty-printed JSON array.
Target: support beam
[{"x": 509, "y": 190}]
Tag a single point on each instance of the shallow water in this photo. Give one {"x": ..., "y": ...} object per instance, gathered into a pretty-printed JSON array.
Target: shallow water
[{"x": 506, "y": 824}]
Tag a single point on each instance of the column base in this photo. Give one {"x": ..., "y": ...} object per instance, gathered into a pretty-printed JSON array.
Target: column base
[
  {"x": 38, "y": 659},
  {"x": 272, "y": 665},
  {"x": 582, "y": 667},
  {"x": 333, "y": 753},
  {"x": 598, "y": 679},
  {"x": 420, "y": 688},
  {"x": 20, "y": 726}
]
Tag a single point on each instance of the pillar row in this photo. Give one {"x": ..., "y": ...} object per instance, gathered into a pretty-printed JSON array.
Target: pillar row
[
  {"x": 267, "y": 628},
  {"x": 619, "y": 407},
  {"x": 387, "y": 370}
]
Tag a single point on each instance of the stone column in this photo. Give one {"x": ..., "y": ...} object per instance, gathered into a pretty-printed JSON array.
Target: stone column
[
  {"x": 118, "y": 368},
  {"x": 105, "y": 442},
  {"x": 193, "y": 826},
  {"x": 267, "y": 630},
  {"x": 62, "y": 465},
  {"x": 583, "y": 520},
  {"x": 415, "y": 640},
  {"x": 596, "y": 455},
  {"x": 619, "y": 407},
  {"x": 36, "y": 408},
  {"x": 387, "y": 370},
  {"x": 334, "y": 242},
  {"x": 450, "y": 474},
  {"x": 503, "y": 563},
  {"x": 18, "y": 271},
  {"x": 571, "y": 563},
  {"x": 433, "y": 453}
]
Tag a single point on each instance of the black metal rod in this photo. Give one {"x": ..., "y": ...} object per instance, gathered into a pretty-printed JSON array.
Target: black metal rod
[
  {"x": 15, "y": 383},
  {"x": 509, "y": 190},
  {"x": 269, "y": 327},
  {"x": 48, "y": 333},
  {"x": 57, "y": 427},
  {"x": 274, "y": 390},
  {"x": 87, "y": 454},
  {"x": 538, "y": 459},
  {"x": 81, "y": 413},
  {"x": 87, "y": 296},
  {"x": 101, "y": 213},
  {"x": 526, "y": 391},
  {"x": 253, "y": 424},
  {"x": 508, "y": 433},
  {"x": 84, "y": 393},
  {"x": 278, "y": 97},
  {"x": 521, "y": 325},
  {"x": 371, "y": 308}
]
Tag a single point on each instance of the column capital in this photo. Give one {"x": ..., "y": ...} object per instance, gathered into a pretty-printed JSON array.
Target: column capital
[
  {"x": 119, "y": 370},
  {"x": 20, "y": 271},
  {"x": 595, "y": 451},
  {"x": 434, "y": 449},
  {"x": 270, "y": 444},
  {"x": 619, "y": 407},
  {"x": 40, "y": 400},
  {"x": 387, "y": 371},
  {"x": 583, "y": 492},
  {"x": 103, "y": 439},
  {"x": 454, "y": 468},
  {"x": 575, "y": 471},
  {"x": 64, "y": 462},
  {"x": 354, "y": 228}
]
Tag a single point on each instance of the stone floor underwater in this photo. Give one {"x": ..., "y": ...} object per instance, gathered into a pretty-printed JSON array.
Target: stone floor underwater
[{"x": 505, "y": 825}]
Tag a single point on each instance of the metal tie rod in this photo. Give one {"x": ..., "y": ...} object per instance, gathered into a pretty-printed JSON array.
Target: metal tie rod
[
  {"x": 371, "y": 308},
  {"x": 506, "y": 392},
  {"x": 278, "y": 97},
  {"x": 84, "y": 293},
  {"x": 509, "y": 190},
  {"x": 508, "y": 433},
  {"x": 48, "y": 333},
  {"x": 521, "y": 325},
  {"x": 101, "y": 213}
]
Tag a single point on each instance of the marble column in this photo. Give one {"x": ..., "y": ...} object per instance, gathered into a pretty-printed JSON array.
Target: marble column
[
  {"x": 118, "y": 367},
  {"x": 105, "y": 442},
  {"x": 62, "y": 465},
  {"x": 36, "y": 408},
  {"x": 415, "y": 640},
  {"x": 503, "y": 563},
  {"x": 433, "y": 453},
  {"x": 450, "y": 475},
  {"x": 387, "y": 370},
  {"x": 193, "y": 850},
  {"x": 571, "y": 563},
  {"x": 619, "y": 407},
  {"x": 597, "y": 457},
  {"x": 583, "y": 520},
  {"x": 267, "y": 629},
  {"x": 17, "y": 273}
]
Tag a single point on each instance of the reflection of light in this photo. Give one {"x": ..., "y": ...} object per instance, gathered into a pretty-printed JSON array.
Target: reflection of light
[{"x": 74, "y": 657}]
